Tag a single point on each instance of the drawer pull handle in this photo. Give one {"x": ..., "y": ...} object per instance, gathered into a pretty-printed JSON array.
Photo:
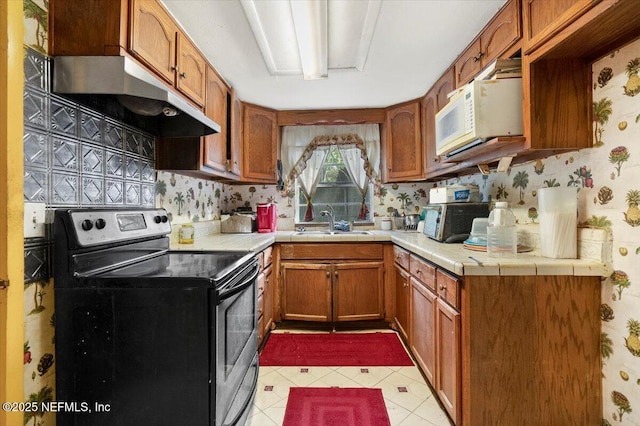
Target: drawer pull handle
[
  {"x": 443, "y": 287},
  {"x": 419, "y": 272},
  {"x": 183, "y": 75}
]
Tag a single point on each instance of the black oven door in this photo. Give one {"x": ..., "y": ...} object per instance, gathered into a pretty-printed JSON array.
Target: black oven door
[{"x": 236, "y": 347}]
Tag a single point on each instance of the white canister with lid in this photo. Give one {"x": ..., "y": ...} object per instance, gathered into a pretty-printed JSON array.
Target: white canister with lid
[{"x": 385, "y": 223}]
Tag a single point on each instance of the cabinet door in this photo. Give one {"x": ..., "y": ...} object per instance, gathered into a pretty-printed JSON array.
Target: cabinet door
[
  {"x": 501, "y": 33},
  {"x": 448, "y": 358},
  {"x": 433, "y": 102},
  {"x": 403, "y": 143},
  {"x": 153, "y": 38},
  {"x": 402, "y": 301},
  {"x": 260, "y": 140},
  {"x": 215, "y": 145},
  {"x": 260, "y": 313},
  {"x": 306, "y": 291},
  {"x": 268, "y": 300},
  {"x": 468, "y": 64},
  {"x": 423, "y": 328},
  {"x": 235, "y": 127},
  {"x": 357, "y": 291},
  {"x": 192, "y": 70},
  {"x": 543, "y": 18}
]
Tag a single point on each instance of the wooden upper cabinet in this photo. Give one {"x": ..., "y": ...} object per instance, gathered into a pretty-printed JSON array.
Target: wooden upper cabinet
[
  {"x": 502, "y": 32},
  {"x": 404, "y": 153},
  {"x": 215, "y": 145},
  {"x": 543, "y": 18},
  {"x": 191, "y": 78},
  {"x": 260, "y": 141},
  {"x": 157, "y": 41},
  {"x": 153, "y": 38},
  {"x": 434, "y": 100},
  {"x": 235, "y": 127},
  {"x": 469, "y": 63}
]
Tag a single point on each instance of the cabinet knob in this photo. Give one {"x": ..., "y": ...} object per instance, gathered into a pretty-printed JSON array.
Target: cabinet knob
[
  {"x": 443, "y": 287},
  {"x": 435, "y": 159},
  {"x": 183, "y": 75},
  {"x": 404, "y": 284},
  {"x": 419, "y": 272},
  {"x": 174, "y": 68},
  {"x": 335, "y": 274},
  {"x": 328, "y": 274}
]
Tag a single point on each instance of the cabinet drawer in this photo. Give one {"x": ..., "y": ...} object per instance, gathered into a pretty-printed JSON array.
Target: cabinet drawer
[
  {"x": 448, "y": 288},
  {"x": 268, "y": 256},
  {"x": 423, "y": 271},
  {"x": 401, "y": 257},
  {"x": 329, "y": 251}
]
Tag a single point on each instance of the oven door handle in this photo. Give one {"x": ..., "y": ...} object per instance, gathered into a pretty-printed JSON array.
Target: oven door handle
[{"x": 227, "y": 292}]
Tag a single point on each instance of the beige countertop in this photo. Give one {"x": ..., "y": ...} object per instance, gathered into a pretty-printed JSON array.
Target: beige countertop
[{"x": 452, "y": 257}]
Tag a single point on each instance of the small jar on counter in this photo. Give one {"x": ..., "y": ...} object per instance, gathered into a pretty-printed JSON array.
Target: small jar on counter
[
  {"x": 186, "y": 234},
  {"x": 385, "y": 224}
]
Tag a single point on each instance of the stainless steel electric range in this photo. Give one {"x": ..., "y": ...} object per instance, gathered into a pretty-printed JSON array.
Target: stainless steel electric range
[{"x": 149, "y": 336}]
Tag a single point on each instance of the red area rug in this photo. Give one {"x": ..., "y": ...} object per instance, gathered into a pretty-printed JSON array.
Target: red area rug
[
  {"x": 335, "y": 407},
  {"x": 334, "y": 349}
]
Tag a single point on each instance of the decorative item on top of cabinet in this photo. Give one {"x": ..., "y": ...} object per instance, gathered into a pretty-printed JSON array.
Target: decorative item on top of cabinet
[
  {"x": 260, "y": 144},
  {"x": 402, "y": 144},
  {"x": 500, "y": 34},
  {"x": 157, "y": 41}
]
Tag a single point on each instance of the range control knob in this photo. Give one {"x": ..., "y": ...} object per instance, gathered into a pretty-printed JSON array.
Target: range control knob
[
  {"x": 157, "y": 219},
  {"x": 87, "y": 224},
  {"x": 165, "y": 219},
  {"x": 100, "y": 223}
]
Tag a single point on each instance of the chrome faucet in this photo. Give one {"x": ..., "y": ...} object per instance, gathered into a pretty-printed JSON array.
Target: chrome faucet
[{"x": 331, "y": 214}]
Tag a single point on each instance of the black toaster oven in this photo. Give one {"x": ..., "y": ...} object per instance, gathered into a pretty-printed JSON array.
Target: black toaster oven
[{"x": 451, "y": 222}]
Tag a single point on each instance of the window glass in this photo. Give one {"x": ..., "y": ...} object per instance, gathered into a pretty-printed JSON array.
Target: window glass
[{"x": 336, "y": 188}]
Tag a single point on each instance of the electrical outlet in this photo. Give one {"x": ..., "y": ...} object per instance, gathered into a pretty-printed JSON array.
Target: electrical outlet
[{"x": 34, "y": 220}]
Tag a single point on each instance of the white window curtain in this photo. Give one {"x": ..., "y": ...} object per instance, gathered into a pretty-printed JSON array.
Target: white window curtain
[{"x": 304, "y": 150}]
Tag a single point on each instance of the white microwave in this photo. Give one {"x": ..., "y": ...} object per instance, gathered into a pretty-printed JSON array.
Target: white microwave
[{"x": 481, "y": 110}]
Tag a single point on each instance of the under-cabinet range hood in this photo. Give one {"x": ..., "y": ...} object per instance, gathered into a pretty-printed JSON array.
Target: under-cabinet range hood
[{"x": 122, "y": 89}]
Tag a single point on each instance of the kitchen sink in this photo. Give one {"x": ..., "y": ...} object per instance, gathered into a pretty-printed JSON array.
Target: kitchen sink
[{"x": 326, "y": 232}]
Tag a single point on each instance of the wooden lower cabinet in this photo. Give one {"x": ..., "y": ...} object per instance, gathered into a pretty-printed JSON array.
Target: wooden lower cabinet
[
  {"x": 448, "y": 366},
  {"x": 306, "y": 291},
  {"x": 357, "y": 291},
  {"x": 325, "y": 292},
  {"x": 423, "y": 328},
  {"x": 402, "y": 305}
]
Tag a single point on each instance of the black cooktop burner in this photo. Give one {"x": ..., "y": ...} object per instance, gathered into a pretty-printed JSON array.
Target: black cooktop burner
[{"x": 184, "y": 265}]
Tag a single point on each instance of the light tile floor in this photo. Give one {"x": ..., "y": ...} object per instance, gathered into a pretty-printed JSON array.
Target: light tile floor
[{"x": 408, "y": 398}]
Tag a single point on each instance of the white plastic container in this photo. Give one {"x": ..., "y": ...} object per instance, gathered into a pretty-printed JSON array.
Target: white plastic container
[
  {"x": 502, "y": 236},
  {"x": 558, "y": 214},
  {"x": 385, "y": 224}
]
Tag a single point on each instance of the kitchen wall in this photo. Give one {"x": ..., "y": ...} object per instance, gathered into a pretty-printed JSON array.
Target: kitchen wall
[{"x": 607, "y": 177}]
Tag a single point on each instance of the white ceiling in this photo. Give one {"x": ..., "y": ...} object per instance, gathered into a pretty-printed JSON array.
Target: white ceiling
[{"x": 414, "y": 41}]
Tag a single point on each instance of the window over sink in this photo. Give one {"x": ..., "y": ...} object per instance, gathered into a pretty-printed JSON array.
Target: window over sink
[
  {"x": 335, "y": 187},
  {"x": 332, "y": 171}
]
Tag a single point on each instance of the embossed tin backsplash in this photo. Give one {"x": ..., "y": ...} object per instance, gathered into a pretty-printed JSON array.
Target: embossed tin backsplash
[{"x": 74, "y": 156}]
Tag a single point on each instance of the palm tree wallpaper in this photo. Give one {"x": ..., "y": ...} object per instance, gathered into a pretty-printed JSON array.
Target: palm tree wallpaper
[{"x": 606, "y": 177}]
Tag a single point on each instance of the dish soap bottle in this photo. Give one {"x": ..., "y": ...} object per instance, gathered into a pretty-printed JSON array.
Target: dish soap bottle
[{"x": 502, "y": 236}]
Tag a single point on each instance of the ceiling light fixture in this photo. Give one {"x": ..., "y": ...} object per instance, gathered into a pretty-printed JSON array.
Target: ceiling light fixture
[{"x": 310, "y": 22}]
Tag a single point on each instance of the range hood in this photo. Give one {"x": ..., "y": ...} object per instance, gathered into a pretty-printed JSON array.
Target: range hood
[{"x": 122, "y": 89}]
